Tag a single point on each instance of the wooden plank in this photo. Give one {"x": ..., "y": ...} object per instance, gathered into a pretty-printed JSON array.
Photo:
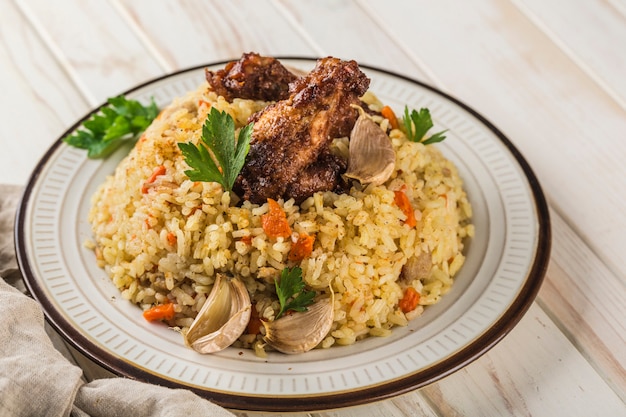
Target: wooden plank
[
  {"x": 600, "y": 53},
  {"x": 355, "y": 35},
  {"x": 98, "y": 50},
  {"x": 298, "y": 34},
  {"x": 587, "y": 302},
  {"x": 412, "y": 404},
  {"x": 500, "y": 63},
  {"x": 297, "y": 15},
  {"x": 548, "y": 377},
  {"x": 619, "y": 6},
  {"x": 299, "y": 18},
  {"x": 38, "y": 99},
  {"x": 485, "y": 58},
  {"x": 190, "y": 33}
]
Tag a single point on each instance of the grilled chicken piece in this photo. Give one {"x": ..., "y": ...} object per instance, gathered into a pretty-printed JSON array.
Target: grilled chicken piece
[
  {"x": 253, "y": 77},
  {"x": 322, "y": 175},
  {"x": 290, "y": 135}
]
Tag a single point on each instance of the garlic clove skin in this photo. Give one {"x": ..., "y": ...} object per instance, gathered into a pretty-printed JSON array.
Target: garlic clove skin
[
  {"x": 371, "y": 157},
  {"x": 301, "y": 331},
  {"x": 223, "y": 317}
]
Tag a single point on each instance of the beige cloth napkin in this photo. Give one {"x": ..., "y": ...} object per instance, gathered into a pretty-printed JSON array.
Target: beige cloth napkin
[{"x": 36, "y": 380}]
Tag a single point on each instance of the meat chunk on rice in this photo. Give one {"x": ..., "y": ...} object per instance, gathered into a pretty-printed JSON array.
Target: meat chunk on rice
[
  {"x": 253, "y": 77},
  {"x": 290, "y": 135}
]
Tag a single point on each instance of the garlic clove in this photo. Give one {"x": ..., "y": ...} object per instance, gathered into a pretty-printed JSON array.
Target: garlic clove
[
  {"x": 223, "y": 317},
  {"x": 301, "y": 332},
  {"x": 371, "y": 157}
]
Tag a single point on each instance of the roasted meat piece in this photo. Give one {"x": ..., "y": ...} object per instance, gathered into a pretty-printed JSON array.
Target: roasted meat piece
[
  {"x": 253, "y": 77},
  {"x": 322, "y": 175},
  {"x": 290, "y": 135}
]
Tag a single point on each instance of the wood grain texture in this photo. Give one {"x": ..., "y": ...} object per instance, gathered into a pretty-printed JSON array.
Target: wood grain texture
[
  {"x": 98, "y": 50},
  {"x": 587, "y": 302},
  {"x": 600, "y": 53},
  {"x": 355, "y": 34},
  {"x": 190, "y": 33},
  {"x": 38, "y": 100},
  {"x": 407, "y": 405},
  {"x": 548, "y": 74},
  {"x": 530, "y": 373},
  {"x": 513, "y": 73}
]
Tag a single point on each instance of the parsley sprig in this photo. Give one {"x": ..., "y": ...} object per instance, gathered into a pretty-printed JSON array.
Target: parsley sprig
[
  {"x": 416, "y": 124},
  {"x": 291, "y": 292},
  {"x": 218, "y": 141},
  {"x": 105, "y": 131}
]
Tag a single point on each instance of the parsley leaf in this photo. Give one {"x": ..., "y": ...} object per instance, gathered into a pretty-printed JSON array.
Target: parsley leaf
[
  {"x": 291, "y": 292},
  {"x": 416, "y": 124},
  {"x": 106, "y": 130},
  {"x": 218, "y": 137}
]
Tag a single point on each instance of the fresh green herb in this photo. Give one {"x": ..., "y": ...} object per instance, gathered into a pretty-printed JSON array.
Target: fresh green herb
[
  {"x": 116, "y": 122},
  {"x": 291, "y": 292},
  {"x": 218, "y": 136},
  {"x": 416, "y": 124}
]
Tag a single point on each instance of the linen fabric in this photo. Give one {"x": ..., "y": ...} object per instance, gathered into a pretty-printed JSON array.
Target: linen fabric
[{"x": 37, "y": 380}]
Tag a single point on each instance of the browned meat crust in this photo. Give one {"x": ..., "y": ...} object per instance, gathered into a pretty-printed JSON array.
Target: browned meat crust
[
  {"x": 290, "y": 135},
  {"x": 253, "y": 77},
  {"x": 322, "y": 175}
]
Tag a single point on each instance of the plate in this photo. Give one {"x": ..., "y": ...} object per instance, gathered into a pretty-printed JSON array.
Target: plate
[{"x": 504, "y": 268}]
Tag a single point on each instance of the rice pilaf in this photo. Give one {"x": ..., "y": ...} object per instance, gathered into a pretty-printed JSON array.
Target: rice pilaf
[{"x": 162, "y": 237}]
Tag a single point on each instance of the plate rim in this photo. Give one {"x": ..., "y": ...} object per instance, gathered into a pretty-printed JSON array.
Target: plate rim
[{"x": 508, "y": 319}]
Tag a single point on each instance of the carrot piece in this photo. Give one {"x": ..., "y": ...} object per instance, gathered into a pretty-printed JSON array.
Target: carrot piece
[
  {"x": 410, "y": 300},
  {"x": 160, "y": 312},
  {"x": 171, "y": 238},
  {"x": 160, "y": 170},
  {"x": 302, "y": 248},
  {"x": 402, "y": 201},
  {"x": 275, "y": 223},
  {"x": 388, "y": 114},
  {"x": 202, "y": 102},
  {"x": 254, "y": 325},
  {"x": 246, "y": 239}
]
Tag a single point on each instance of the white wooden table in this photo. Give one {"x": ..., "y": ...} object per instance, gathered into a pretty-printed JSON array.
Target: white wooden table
[{"x": 550, "y": 74}]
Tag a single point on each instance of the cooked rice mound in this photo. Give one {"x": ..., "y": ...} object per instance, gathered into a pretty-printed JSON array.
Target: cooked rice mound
[{"x": 163, "y": 241}]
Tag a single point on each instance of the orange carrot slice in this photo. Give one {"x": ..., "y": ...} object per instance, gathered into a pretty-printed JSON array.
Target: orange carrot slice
[
  {"x": 302, "y": 248},
  {"x": 160, "y": 312},
  {"x": 275, "y": 222},
  {"x": 402, "y": 201},
  {"x": 410, "y": 300}
]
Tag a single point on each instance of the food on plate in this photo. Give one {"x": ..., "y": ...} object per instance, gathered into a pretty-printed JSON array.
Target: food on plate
[
  {"x": 290, "y": 155},
  {"x": 223, "y": 317},
  {"x": 253, "y": 77},
  {"x": 282, "y": 211}
]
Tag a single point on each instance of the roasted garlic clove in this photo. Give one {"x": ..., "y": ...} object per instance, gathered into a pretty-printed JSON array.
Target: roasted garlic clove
[
  {"x": 372, "y": 158},
  {"x": 301, "y": 332},
  {"x": 223, "y": 317}
]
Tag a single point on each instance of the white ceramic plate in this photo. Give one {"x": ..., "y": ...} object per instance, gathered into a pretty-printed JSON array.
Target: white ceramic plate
[{"x": 505, "y": 265}]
